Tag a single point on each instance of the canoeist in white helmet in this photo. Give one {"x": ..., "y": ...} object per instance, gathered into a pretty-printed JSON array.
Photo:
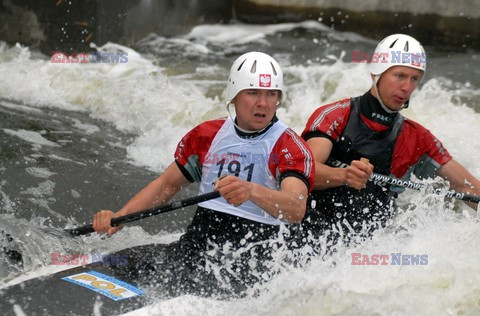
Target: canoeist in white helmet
[
  {"x": 370, "y": 126},
  {"x": 262, "y": 169}
]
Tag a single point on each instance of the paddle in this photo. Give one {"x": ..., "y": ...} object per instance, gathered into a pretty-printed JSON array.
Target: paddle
[
  {"x": 417, "y": 186},
  {"x": 83, "y": 230}
]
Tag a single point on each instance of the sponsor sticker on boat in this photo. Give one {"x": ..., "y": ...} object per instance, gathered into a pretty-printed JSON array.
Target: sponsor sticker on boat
[{"x": 111, "y": 287}]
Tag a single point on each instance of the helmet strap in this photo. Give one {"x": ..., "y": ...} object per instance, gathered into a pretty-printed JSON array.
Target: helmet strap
[
  {"x": 375, "y": 83},
  {"x": 241, "y": 129}
]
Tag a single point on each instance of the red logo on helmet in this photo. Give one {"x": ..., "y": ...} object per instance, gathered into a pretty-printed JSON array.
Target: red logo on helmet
[
  {"x": 416, "y": 60},
  {"x": 265, "y": 81}
]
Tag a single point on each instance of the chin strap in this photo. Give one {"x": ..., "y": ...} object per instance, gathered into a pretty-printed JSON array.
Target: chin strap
[
  {"x": 241, "y": 129},
  {"x": 375, "y": 81}
]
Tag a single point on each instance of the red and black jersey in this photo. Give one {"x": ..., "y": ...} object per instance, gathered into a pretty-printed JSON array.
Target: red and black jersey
[
  {"x": 292, "y": 155},
  {"x": 413, "y": 140}
]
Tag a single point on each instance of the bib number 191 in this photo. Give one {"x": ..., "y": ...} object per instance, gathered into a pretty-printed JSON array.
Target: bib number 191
[{"x": 234, "y": 168}]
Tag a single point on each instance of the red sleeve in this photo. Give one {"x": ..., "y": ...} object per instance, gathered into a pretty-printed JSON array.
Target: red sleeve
[
  {"x": 329, "y": 120},
  {"x": 294, "y": 158},
  {"x": 413, "y": 142},
  {"x": 193, "y": 147}
]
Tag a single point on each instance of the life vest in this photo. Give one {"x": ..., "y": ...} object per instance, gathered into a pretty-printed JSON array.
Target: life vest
[
  {"x": 359, "y": 141},
  {"x": 246, "y": 158},
  {"x": 345, "y": 207}
]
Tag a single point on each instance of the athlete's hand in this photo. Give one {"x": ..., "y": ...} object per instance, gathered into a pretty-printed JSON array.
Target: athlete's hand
[
  {"x": 358, "y": 173},
  {"x": 102, "y": 220},
  {"x": 234, "y": 190}
]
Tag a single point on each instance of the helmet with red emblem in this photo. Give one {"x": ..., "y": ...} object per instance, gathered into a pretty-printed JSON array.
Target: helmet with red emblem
[{"x": 254, "y": 70}]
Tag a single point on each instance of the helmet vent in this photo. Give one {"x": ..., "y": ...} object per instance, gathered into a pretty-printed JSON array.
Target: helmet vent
[
  {"x": 393, "y": 44},
  {"x": 273, "y": 68},
  {"x": 406, "y": 46},
  {"x": 254, "y": 67},
  {"x": 240, "y": 67}
]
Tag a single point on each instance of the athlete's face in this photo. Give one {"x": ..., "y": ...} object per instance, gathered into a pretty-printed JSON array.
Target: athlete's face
[
  {"x": 396, "y": 85},
  {"x": 255, "y": 108}
]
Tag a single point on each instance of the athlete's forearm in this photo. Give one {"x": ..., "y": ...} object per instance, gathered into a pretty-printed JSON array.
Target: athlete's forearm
[
  {"x": 159, "y": 191},
  {"x": 460, "y": 179},
  {"x": 325, "y": 176},
  {"x": 329, "y": 177},
  {"x": 153, "y": 194},
  {"x": 288, "y": 205}
]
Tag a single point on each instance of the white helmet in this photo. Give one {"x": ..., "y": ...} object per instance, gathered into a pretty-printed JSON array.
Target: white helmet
[
  {"x": 254, "y": 70},
  {"x": 398, "y": 50}
]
